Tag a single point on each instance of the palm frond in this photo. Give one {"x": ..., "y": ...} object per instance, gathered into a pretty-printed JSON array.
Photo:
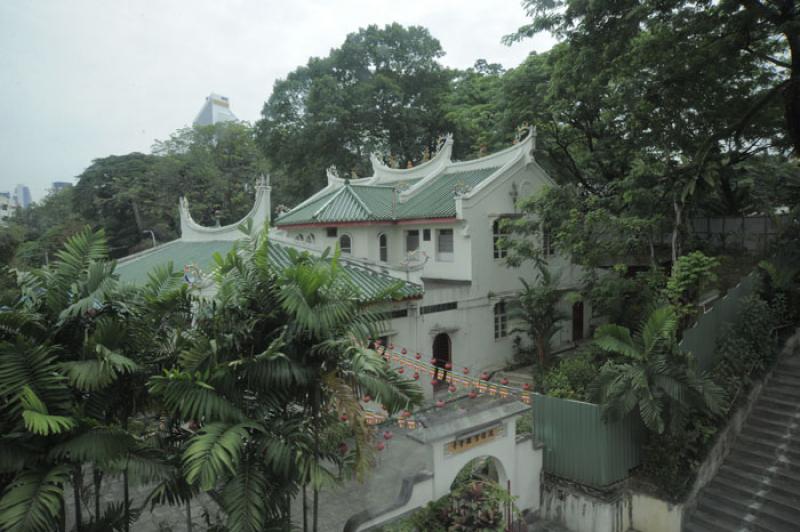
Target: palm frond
[
  {"x": 245, "y": 499},
  {"x": 617, "y": 339},
  {"x": 214, "y": 452},
  {"x": 32, "y": 501},
  {"x": 37, "y": 419}
]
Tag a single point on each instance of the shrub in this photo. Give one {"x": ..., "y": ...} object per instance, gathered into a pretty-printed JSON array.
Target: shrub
[{"x": 571, "y": 378}]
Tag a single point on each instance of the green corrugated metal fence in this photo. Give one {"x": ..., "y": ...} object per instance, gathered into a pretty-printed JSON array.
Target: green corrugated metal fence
[
  {"x": 580, "y": 446},
  {"x": 701, "y": 340}
]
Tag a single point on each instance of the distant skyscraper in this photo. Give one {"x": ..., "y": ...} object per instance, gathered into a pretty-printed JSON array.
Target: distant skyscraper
[
  {"x": 216, "y": 109},
  {"x": 60, "y": 185},
  {"x": 22, "y": 196}
]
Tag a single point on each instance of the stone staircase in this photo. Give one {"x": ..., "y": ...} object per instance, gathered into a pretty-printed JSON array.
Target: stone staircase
[{"x": 757, "y": 488}]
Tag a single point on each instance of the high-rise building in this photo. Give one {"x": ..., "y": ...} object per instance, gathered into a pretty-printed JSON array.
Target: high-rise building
[
  {"x": 21, "y": 197},
  {"x": 60, "y": 185},
  {"x": 216, "y": 109}
]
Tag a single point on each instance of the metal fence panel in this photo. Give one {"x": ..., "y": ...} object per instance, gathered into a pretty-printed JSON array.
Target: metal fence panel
[
  {"x": 580, "y": 446},
  {"x": 701, "y": 340}
]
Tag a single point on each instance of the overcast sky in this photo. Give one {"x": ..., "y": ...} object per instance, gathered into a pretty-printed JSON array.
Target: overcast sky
[{"x": 86, "y": 79}]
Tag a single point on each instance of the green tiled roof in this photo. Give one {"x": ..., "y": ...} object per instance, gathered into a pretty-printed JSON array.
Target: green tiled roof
[
  {"x": 357, "y": 203},
  {"x": 200, "y": 254}
]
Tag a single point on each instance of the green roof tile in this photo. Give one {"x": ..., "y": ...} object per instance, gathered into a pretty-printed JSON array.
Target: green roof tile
[
  {"x": 358, "y": 203},
  {"x": 200, "y": 254}
]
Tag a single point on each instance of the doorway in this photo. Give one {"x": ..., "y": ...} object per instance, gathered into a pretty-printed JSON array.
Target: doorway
[
  {"x": 577, "y": 321},
  {"x": 442, "y": 356}
]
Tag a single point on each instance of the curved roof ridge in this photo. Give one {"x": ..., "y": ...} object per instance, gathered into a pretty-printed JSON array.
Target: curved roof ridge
[
  {"x": 528, "y": 142},
  {"x": 442, "y": 158}
]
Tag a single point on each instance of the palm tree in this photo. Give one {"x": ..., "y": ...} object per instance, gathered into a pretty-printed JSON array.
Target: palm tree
[
  {"x": 537, "y": 309},
  {"x": 75, "y": 353},
  {"x": 652, "y": 375},
  {"x": 276, "y": 358}
]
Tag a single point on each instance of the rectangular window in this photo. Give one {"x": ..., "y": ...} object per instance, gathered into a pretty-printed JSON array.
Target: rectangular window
[
  {"x": 444, "y": 245},
  {"x": 402, "y": 313},
  {"x": 426, "y": 235},
  {"x": 499, "y": 232},
  {"x": 441, "y": 307},
  {"x": 500, "y": 320},
  {"x": 332, "y": 232},
  {"x": 412, "y": 240}
]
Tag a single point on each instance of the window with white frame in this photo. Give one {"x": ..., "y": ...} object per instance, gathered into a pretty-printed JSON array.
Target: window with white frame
[
  {"x": 444, "y": 245},
  {"x": 299, "y": 236},
  {"x": 499, "y": 232},
  {"x": 412, "y": 240},
  {"x": 500, "y": 320},
  {"x": 310, "y": 238},
  {"x": 383, "y": 247},
  {"x": 345, "y": 244}
]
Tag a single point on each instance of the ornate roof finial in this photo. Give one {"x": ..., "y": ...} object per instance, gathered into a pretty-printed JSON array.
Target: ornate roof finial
[{"x": 262, "y": 181}]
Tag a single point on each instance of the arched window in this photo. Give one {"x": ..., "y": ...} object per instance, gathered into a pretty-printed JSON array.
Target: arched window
[
  {"x": 299, "y": 237},
  {"x": 346, "y": 244},
  {"x": 499, "y": 231},
  {"x": 383, "y": 247},
  {"x": 500, "y": 320},
  {"x": 310, "y": 238}
]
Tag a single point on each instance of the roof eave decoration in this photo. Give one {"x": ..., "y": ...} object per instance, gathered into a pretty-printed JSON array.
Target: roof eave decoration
[
  {"x": 191, "y": 231},
  {"x": 385, "y": 174}
]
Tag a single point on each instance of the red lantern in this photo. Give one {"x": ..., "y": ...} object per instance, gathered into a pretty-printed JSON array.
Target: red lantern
[
  {"x": 367, "y": 398},
  {"x": 391, "y": 346},
  {"x": 472, "y": 394},
  {"x": 433, "y": 362},
  {"x": 452, "y": 389},
  {"x": 466, "y": 371},
  {"x": 439, "y": 403},
  {"x": 416, "y": 376},
  {"x": 403, "y": 351},
  {"x": 381, "y": 446},
  {"x": 406, "y": 413},
  {"x": 418, "y": 356},
  {"x": 401, "y": 370},
  {"x": 434, "y": 382},
  {"x": 387, "y": 435},
  {"x": 484, "y": 376},
  {"x": 504, "y": 381},
  {"x": 378, "y": 342},
  {"x": 526, "y": 386},
  {"x": 448, "y": 366},
  {"x": 343, "y": 417}
]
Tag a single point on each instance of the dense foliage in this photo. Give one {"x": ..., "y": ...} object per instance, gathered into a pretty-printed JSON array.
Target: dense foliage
[{"x": 251, "y": 395}]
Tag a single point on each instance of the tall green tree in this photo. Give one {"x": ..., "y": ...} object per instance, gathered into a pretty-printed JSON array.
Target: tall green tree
[
  {"x": 651, "y": 104},
  {"x": 381, "y": 91}
]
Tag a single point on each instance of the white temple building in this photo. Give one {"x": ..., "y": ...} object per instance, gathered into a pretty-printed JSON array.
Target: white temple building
[{"x": 435, "y": 227}]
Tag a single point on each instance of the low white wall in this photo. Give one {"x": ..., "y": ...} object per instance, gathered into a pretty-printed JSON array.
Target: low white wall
[
  {"x": 582, "y": 512},
  {"x": 649, "y": 514},
  {"x": 421, "y": 493},
  {"x": 528, "y": 474}
]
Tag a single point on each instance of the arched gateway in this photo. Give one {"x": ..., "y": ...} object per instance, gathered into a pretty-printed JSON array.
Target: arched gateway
[{"x": 464, "y": 430}]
